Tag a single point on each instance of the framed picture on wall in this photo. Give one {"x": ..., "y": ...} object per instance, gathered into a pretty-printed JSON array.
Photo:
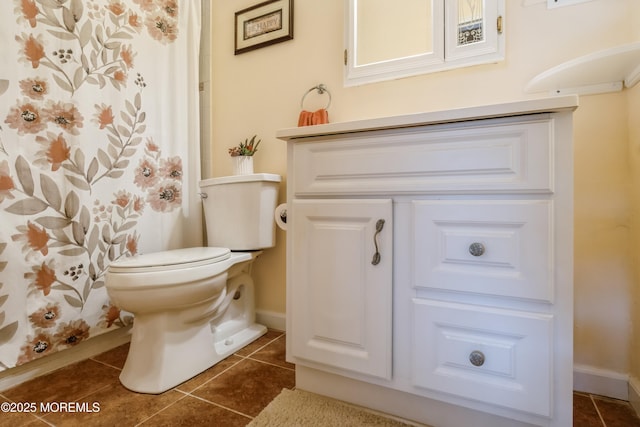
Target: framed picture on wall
[{"x": 263, "y": 24}]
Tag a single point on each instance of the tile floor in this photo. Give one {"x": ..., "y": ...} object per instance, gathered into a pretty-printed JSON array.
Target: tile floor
[
  {"x": 229, "y": 394},
  {"x": 597, "y": 411}
]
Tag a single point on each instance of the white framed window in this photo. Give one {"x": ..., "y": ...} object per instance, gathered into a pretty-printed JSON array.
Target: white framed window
[{"x": 386, "y": 41}]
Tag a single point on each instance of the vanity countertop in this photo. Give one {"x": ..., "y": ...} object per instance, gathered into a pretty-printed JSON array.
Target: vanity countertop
[{"x": 534, "y": 106}]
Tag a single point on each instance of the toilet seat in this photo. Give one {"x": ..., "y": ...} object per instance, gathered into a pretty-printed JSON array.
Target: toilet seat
[
  {"x": 170, "y": 260},
  {"x": 172, "y": 267}
]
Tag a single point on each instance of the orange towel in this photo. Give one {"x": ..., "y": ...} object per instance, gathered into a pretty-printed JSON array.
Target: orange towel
[{"x": 308, "y": 118}]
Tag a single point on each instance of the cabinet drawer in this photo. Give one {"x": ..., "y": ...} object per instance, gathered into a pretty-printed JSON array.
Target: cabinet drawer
[
  {"x": 511, "y": 352},
  {"x": 492, "y": 247},
  {"x": 479, "y": 157}
]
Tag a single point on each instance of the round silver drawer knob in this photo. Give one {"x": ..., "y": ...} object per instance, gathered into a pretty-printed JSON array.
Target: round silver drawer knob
[
  {"x": 476, "y": 358},
  {"x": 476, "y": 249}
]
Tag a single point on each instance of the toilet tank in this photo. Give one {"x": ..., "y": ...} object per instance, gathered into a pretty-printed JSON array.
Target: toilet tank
[{"x": 239, "y": 210}]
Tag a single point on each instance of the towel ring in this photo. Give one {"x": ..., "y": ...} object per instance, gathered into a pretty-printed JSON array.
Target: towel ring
[{"x": 321, "y": 88}]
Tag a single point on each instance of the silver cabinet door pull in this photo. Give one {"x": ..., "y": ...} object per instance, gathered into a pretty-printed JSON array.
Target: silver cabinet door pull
[{"x": 376, "y": 256}]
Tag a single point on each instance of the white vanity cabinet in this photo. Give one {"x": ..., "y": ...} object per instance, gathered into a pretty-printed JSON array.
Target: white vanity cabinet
[{"x": 429, "y": 263}]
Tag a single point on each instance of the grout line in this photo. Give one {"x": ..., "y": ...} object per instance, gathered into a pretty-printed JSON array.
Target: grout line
[
  {"x": 212, "y": 378},
  {"x": 597, "y": 410},
  {"x": 261, "y": 348},
  {"x": 270, "y": 363},
  {"x": 162, "y": 409},
  {"x": 221, "y": 406},
  {"x": 44, "y": 420},
  {"x": 107, "y": 364},
  {"x": 249, "y": 356},
  {"x": 85, "y": 396}
]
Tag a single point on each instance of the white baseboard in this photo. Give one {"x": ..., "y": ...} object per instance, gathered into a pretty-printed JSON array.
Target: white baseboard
[
  {"x": 589, "y": 379},
  {"x": 14, "y": 376},
  {"x": 272, "y": 319}
]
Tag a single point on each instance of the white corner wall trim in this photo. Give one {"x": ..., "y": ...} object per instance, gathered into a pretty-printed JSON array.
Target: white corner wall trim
[
  {"x": 14, "y": 376},
  {"x": 272, "y": 319},
  {"x": 589, "y": 379},
  {"x": 634, "y": 393}
]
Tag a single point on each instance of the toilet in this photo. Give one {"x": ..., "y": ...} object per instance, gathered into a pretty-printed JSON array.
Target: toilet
[{"x": 193, "y": 307}]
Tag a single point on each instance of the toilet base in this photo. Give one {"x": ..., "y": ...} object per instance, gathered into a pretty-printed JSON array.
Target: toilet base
[
  {"x": 145, "y": 376},
  {"x": 240, "y": 339},
  {"x": 169, "y": 348}
]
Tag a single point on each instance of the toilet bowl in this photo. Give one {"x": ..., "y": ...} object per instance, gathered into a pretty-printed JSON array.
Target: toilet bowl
[{"x": 194, "y": 307}]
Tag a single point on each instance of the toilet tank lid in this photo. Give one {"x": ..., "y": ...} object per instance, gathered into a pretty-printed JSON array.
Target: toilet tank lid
[
  {"x": 172, "y": 257},
  {"x": 268, "y": 177}
]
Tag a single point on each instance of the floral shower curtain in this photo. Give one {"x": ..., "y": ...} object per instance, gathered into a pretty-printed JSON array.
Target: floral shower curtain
[{"x": 98, "y": 158}]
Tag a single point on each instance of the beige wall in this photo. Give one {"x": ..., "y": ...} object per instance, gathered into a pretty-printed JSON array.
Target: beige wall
[
  {"x": 602, "y": 273},
  {"x": 634, "y": 157},
  {"x": 259, "y": 92}
]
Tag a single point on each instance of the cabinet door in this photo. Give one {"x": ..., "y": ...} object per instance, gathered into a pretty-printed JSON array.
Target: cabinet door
[{"x": 341, "y": 298}]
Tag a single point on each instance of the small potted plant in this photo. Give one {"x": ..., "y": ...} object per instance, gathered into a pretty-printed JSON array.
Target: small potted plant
[{"x": 242, "y": 156}]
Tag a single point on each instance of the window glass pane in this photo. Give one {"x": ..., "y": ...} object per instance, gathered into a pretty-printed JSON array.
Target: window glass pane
[
  {"x": 386, "y": 31},
  {"x": 471, "y": 25}
]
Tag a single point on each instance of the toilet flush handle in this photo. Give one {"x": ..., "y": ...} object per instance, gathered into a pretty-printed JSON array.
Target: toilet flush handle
[{"x": 203, "y": 195}]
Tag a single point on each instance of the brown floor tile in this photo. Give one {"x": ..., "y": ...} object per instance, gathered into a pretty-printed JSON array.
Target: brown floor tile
[
  {"x": 248, "y": 386},
  {"x": 274, "y": 352},
  {"x": 259, "y": 343},
  {"x": 118, "y": 406},
  {"x": 66, "y": 384},
  {"x": 114, "y": 357},
  {"x": 16, "y": 419},
  {"x": 212, "y": 372},
  {"x": 191, "y": 411},
  {"x": 584, "y": 412},
  {"x": 616, "y": 413}
]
